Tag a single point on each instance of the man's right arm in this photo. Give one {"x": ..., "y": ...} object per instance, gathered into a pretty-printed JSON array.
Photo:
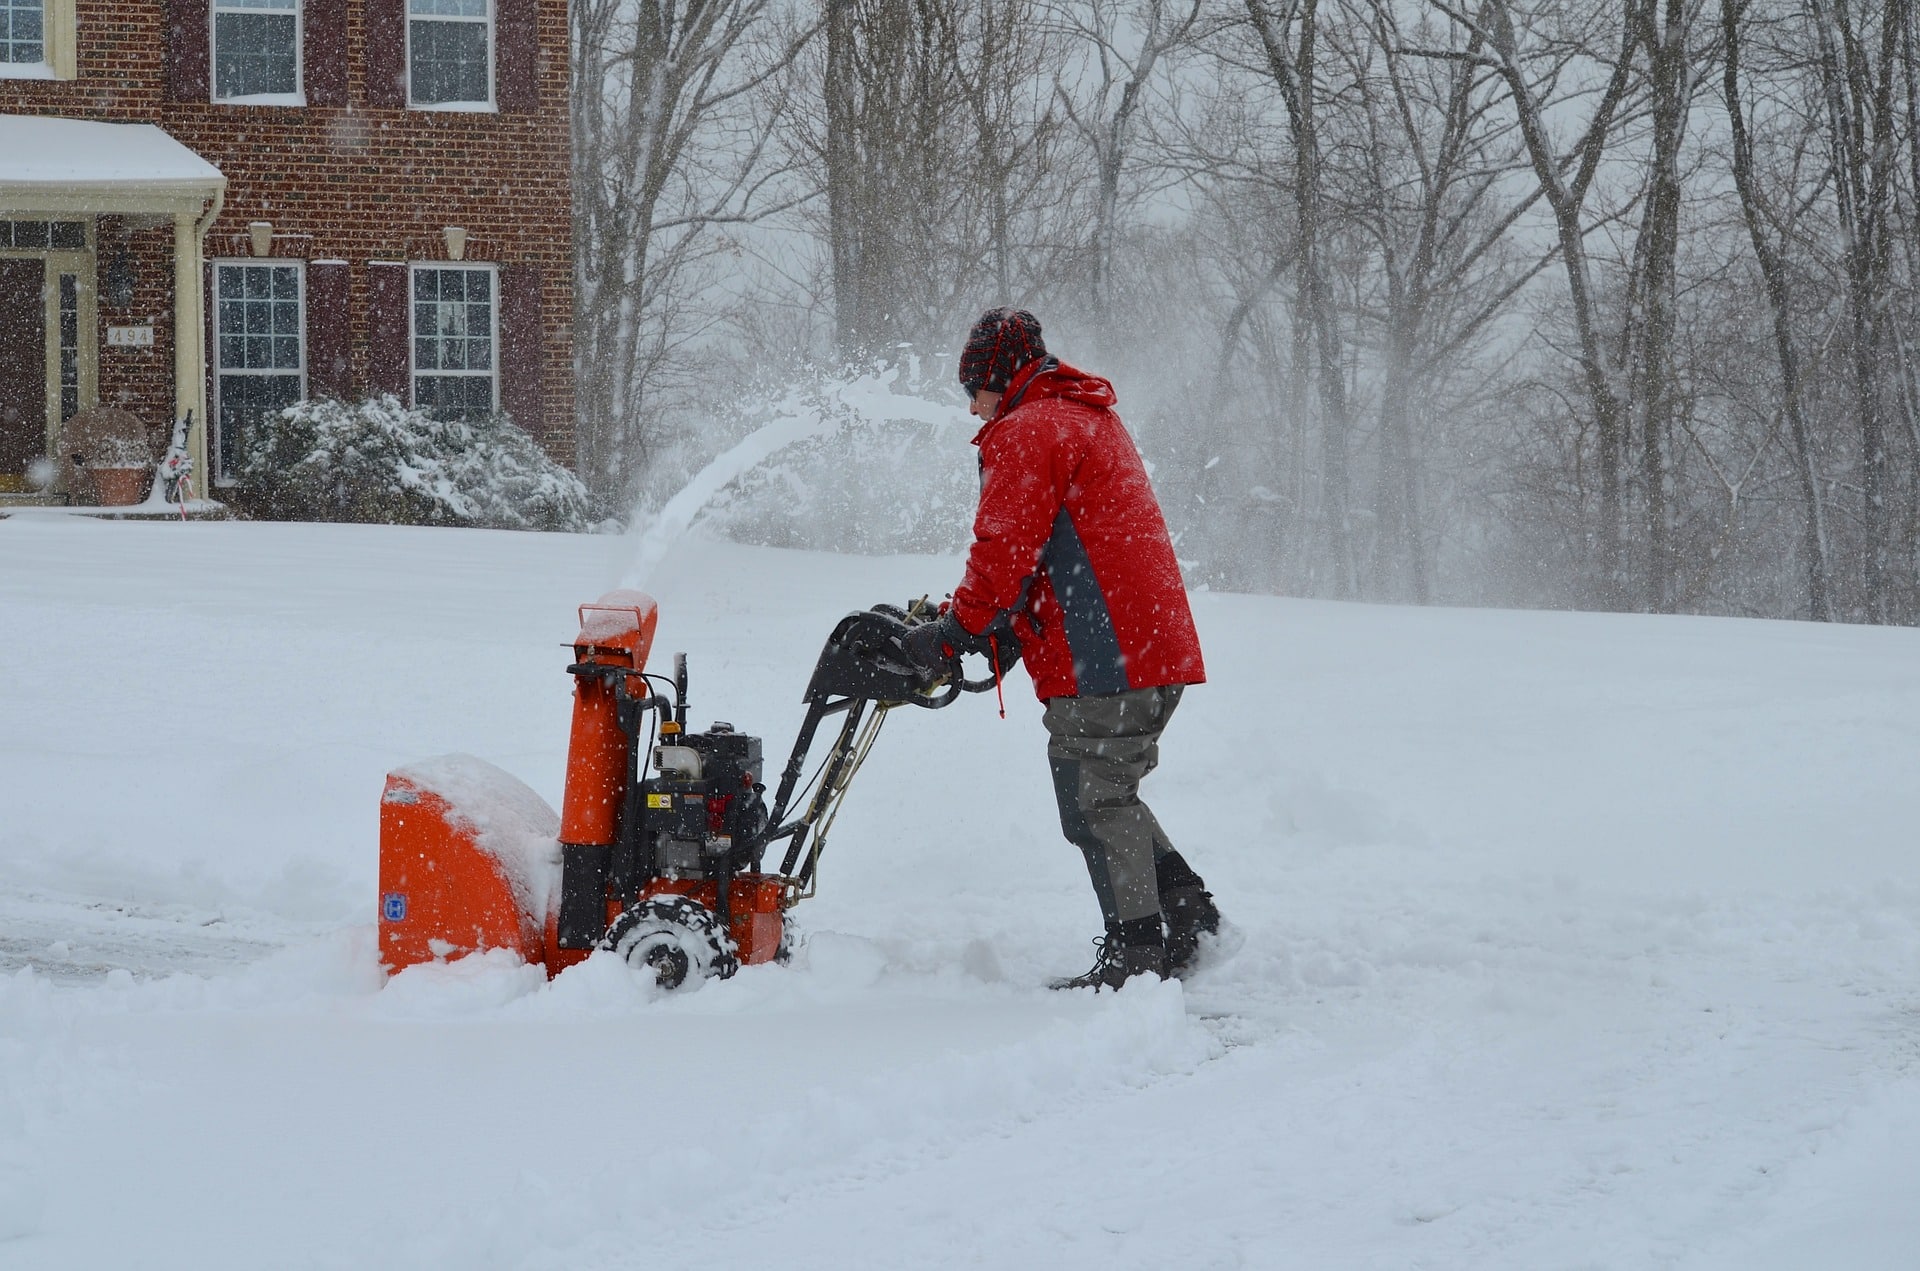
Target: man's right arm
[{"x": 1025, "y": 470}]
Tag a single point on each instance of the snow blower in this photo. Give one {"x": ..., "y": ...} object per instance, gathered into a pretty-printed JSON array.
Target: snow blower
[{"x": 658, "y": 852}]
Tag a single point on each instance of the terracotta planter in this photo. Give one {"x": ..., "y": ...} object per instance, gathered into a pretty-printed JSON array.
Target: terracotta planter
[{"x": 120, "y": 487}]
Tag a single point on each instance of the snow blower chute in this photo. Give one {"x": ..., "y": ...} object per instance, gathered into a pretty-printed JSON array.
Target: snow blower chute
[{"x": 659, "y": 849}]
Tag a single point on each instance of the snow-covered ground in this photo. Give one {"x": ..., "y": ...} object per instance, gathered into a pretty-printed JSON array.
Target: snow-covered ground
[{"x": 1571, "y": 941}]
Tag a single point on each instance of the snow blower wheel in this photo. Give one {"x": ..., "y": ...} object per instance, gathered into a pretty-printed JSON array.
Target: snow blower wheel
[{"x": 674, "y": 938}]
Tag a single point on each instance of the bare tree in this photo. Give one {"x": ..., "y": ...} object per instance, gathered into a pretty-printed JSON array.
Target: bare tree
[
  {"x": 1778, "y": 286},
  {"x": 1433, "y": 191},
  {"x": 934, "y": 150},
  {"x": 1662, "y": 27},
  {"x": 1566, "y": 197},
  {"x": 667, "y": 146},
  {"x": 1127, "y": 41},
  {"x": 1857, "y": 89},
  {"x": 1290, "y": 56}
]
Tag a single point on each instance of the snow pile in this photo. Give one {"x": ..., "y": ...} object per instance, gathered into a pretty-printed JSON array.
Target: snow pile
[{"x": 378, "y": 461}]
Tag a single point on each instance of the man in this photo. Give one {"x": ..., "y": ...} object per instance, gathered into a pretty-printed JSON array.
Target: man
[{"x": 1071, "y": 556}]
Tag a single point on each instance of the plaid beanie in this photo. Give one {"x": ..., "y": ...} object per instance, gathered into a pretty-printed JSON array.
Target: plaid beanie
[{"x": 1001, "y": 342}]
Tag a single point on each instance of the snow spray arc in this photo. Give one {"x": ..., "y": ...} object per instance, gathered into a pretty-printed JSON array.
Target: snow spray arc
[{"x": 811, "y": 413}]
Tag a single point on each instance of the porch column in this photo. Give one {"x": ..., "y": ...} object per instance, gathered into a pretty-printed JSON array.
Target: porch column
[{"x": 189, "y": 357}]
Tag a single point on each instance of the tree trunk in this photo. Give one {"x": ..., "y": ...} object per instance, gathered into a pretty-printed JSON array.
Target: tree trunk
[{"x": 1774, "y": 274}]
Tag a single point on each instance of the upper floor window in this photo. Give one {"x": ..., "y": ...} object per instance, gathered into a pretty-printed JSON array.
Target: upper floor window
[
  {"x": 23, "y": 32},
  {"x": 450, "y": 52},
  {"x": 256, "y": 50},
  {"x": 36, "y": 39}
]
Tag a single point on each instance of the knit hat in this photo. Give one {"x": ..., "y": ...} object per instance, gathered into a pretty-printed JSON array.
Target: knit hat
[{"x": 1001, "y": 342}]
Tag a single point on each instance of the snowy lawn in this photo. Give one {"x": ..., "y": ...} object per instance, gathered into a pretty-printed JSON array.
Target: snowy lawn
[{"x": 1571, "y": 941}]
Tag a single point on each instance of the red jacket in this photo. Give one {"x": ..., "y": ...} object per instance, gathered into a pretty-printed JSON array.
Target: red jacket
[{"x": 1070, "y": 540}]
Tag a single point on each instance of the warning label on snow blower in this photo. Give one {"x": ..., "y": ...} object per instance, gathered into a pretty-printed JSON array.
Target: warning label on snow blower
[{"x": 660, "y": 801}]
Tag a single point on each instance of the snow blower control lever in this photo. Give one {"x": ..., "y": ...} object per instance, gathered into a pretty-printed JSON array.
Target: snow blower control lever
[{"x": 663, "y": 832}]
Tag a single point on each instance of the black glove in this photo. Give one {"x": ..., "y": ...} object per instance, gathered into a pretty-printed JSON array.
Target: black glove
[{"x": 934, "y": 646}]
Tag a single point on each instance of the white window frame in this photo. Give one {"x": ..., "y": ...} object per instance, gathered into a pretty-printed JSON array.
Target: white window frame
[
  {"x": 298, "y": 97},
  {"x": 493, "y": 60},
  {"x": 222, "y": 478},
  {"x": 414, "y": 269},
  {"x": 57, "y": 44}
]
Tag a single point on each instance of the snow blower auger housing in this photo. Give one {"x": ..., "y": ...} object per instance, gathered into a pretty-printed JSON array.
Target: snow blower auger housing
[{"x": 659, "y": 849}]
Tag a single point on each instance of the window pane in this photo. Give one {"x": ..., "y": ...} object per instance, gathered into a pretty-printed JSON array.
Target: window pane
[
  {"x": 454, "y": 396},
  {"x": 449, "y": 61},
  {"x": 453, "y": 332},
  {"x": 21, "y": 31},
  {"x": 258, "y": 317},
  {"x": 447, "y": 8},
  {"x": 245, "y": 400},
  {"x": 70, "y": 234},
  {"x": 254, "y": 53},
  {"x": 30, "y": 234}
]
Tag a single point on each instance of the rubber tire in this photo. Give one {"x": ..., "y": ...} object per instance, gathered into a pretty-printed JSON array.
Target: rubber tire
[{"x": 675, "y": 938}]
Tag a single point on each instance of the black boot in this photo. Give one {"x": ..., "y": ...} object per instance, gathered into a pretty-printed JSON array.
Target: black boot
[
  {"x": 1190, "y": 914},
  {"x": 1135, "y": 948}
]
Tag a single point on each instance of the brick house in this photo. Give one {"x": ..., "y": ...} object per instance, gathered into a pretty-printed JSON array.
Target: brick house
[{"x": 224, "y": 206}]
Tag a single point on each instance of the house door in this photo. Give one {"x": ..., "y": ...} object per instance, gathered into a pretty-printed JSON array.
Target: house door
[{"x": 23, "y": 369}]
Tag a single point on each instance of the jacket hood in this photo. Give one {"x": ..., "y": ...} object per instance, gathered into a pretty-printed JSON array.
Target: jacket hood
[
  {"x": 1051, "y": 378},
  {"x": 1061, "y": 380}
]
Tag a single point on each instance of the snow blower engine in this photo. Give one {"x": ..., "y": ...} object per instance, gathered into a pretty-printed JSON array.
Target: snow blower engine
[{"x": 659, "y": 850}]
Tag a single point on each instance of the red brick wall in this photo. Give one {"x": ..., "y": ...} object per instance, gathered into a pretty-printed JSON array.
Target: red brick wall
[
  {"x": 139, "y": 380},
  {"x": 351, "y": 183}
]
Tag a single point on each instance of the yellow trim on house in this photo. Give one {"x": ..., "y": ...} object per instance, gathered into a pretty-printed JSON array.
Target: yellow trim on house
[{"x": 63, "y": 35}]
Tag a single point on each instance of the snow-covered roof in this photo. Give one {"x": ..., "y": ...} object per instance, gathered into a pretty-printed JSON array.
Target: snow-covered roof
[{"x": 48, "y": 164}]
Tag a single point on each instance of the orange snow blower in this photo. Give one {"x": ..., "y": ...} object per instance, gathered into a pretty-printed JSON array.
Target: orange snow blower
[{"x": 658, "y": 851}]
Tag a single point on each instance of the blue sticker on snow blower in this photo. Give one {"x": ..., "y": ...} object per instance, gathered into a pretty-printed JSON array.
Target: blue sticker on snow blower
[{"x": 393, "y": 906}]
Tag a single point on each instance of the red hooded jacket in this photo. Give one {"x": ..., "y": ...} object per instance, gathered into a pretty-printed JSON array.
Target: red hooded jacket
[{"x": 1070, "y": 541}]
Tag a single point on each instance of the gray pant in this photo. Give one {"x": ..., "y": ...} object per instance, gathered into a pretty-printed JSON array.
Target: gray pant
[{"x": 1100, "y": 749}]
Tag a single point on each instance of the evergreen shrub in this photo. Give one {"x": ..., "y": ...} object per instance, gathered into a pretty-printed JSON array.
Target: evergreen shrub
[{"x": 378, "y": 461}]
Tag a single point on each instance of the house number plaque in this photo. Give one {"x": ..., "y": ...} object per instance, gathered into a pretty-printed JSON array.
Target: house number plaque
[{"x": 130, "y": 337}]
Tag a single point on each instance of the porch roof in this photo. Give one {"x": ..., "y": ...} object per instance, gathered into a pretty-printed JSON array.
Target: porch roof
[{"x": 54, "y": 166}]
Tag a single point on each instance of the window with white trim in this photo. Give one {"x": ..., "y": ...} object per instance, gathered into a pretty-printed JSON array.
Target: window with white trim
[
  {"x": 259, "y": 352},
  {"x": 256, "y": 50},
  {"x": 23, "y": 32},
  {"x": 455, "y": 333},
  {"x": 450, "y": 53},
  {"x": 37, "y": 39}
]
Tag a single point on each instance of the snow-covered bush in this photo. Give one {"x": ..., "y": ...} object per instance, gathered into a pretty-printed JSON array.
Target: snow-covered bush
[{"x": 379, "y": 461}]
